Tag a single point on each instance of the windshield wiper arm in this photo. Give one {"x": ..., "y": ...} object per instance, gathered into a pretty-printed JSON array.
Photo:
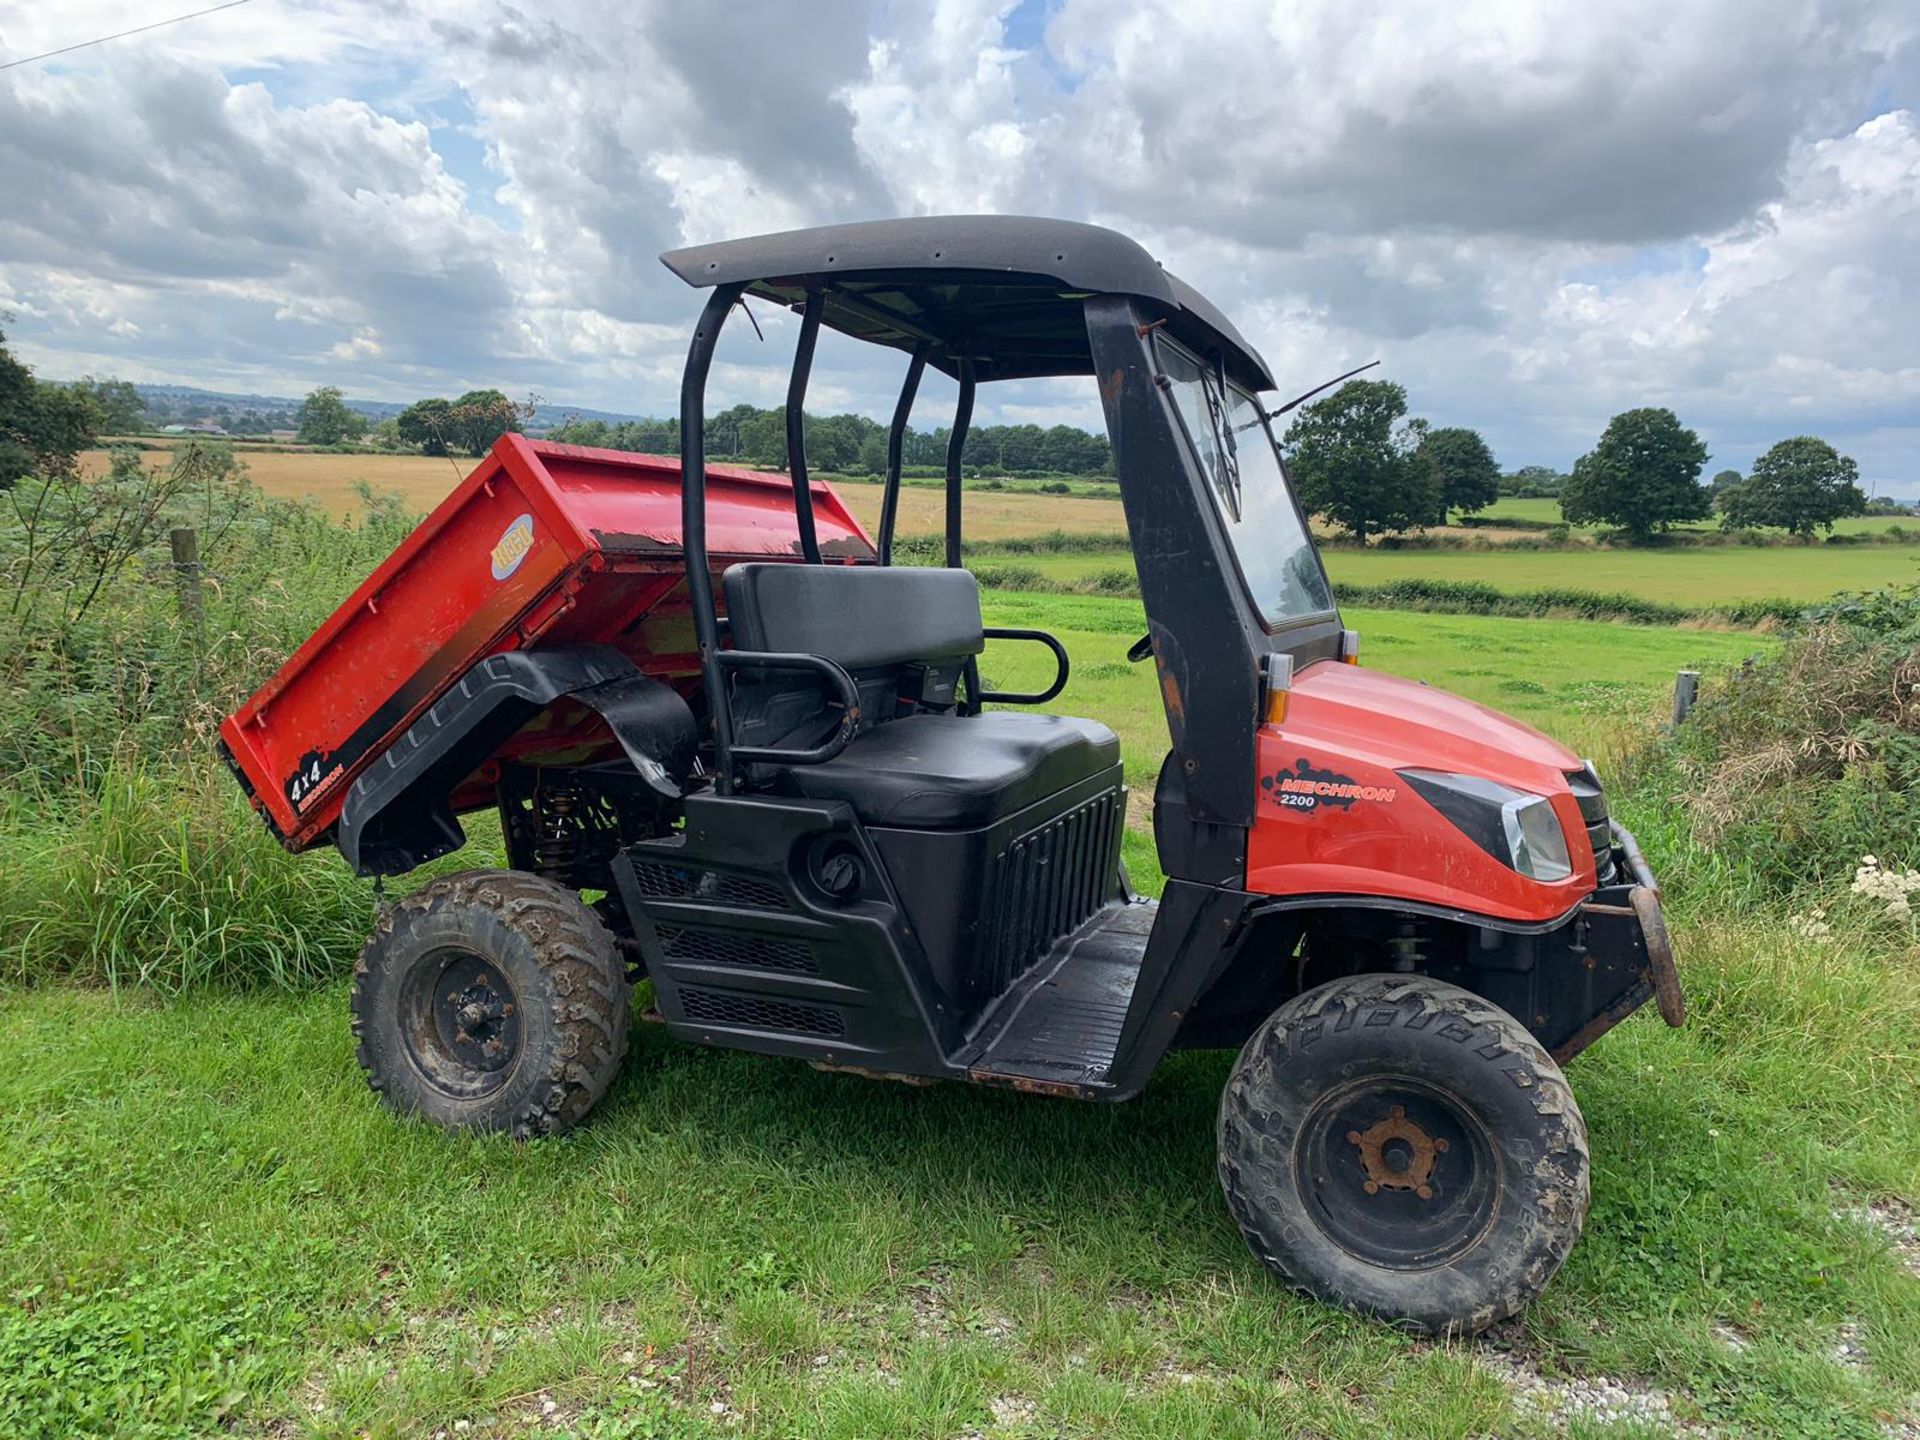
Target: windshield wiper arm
[{"x": 1214, "y": 388}]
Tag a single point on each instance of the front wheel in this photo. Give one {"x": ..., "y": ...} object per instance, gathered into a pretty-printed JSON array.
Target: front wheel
[
  {"x": 491, "y": 1000},
  {"x": 1404, "y": 1148}
]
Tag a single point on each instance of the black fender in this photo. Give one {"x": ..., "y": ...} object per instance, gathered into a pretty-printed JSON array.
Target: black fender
[{"x": 398, "y": 815}]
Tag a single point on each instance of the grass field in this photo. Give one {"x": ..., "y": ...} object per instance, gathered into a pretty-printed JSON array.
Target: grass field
[
  {"x": 207, "y": 1224},
  {"x": 422, "y": 481},
  {"x": 1703, "y": 575},
  {"x": 1588, "y": 684},
  {"x": 1693, "y": 575},
  {"x": 1547, "y": 512}
]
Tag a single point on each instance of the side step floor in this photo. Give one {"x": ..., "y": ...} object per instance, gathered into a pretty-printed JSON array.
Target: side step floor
[{"x": 1059, "y": 1025}]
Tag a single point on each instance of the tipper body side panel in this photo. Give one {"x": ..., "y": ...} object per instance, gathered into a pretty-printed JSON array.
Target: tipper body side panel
[{"x": 541, "y": 544}]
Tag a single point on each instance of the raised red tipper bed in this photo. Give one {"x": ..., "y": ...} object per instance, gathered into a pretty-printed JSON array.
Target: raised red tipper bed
[{"x": 543, "y": 544}]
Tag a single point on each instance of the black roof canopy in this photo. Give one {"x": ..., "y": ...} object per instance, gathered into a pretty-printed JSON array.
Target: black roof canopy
[{"x": 1002, "y": 292}]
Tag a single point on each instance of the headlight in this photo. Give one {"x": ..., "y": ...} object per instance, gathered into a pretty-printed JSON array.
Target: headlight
[{"x": 1516, "y": 828}]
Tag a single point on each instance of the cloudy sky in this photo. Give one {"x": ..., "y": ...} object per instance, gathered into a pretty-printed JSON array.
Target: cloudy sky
[{"x": 1535, "y": 213}]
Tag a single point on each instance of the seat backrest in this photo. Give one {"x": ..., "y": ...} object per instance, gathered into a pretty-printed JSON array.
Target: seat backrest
[
  {"x": 862, "y": 616},
  {"x": 909, "y": 630}
]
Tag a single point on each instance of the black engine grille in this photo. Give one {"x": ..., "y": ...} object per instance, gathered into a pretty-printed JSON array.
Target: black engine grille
[
  {"x": 1044, "y": 884},
  {"x": 750, "y": 1012},
  {"x": 716, "y": 947},
  {"x": 1592, "y": 801},
  {"x": 659, "y": 881}
]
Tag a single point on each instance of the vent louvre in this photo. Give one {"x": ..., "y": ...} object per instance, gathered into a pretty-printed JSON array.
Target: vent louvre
[
  {"x": 659, "y": 881},
  {"x": 750, "y": 1012},
  {"x": 1044, "y": 885},
  {"x": 758, "y": 952},
  {"x": 1592, "y": 800}
]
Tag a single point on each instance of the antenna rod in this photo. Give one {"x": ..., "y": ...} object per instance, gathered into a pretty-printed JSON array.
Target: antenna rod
[{"x": 1302, "y": 399}]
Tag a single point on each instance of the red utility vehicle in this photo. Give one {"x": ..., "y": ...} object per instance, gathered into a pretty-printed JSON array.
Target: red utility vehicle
[{"x": 707, "y": 698}]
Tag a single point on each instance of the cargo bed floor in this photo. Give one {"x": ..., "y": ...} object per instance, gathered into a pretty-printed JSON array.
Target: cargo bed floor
[{"x": 1060, "y": 1023}]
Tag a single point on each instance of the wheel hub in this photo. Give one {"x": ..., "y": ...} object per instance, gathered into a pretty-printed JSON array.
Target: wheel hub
[
  {"x": 461, "y": 1022},
  {"x": 1397, "y": 1172},
  {"x": 1397, "y": 1154}
]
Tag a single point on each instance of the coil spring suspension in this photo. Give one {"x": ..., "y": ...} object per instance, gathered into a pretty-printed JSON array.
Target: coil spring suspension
[
  {"x": 1407, "y": 949},
  {"x": 559, "y": 830}
]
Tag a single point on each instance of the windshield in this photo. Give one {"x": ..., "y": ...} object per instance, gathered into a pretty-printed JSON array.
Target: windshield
[{"x": 1250, "y": 492}]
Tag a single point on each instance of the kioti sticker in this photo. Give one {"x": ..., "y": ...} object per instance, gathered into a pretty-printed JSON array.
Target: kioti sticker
[
  {"x": 513, "y": 547},
  {"x": 1305, "y": 788}
]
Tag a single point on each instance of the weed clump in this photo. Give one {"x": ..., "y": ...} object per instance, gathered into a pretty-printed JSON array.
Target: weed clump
[
  {"x": 1802, "y": 763},
  {"x": 130, "y": 854}
]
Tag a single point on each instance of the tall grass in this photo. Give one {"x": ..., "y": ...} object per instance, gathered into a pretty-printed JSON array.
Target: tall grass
[
  {"x": 129, "y": 855},
  {"x": 158, "y": 875}
]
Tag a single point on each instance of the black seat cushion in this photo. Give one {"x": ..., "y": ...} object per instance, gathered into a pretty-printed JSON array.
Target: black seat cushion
[
  {"x": 956, "y": 772},
  {"x": 862, "y": 616}
]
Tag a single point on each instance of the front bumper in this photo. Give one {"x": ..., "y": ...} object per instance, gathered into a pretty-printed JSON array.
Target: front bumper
[{"x": 1623, "y": 931}]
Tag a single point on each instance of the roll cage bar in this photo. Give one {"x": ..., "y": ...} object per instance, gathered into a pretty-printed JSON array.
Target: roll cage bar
[{"x": 976, "y": 297}]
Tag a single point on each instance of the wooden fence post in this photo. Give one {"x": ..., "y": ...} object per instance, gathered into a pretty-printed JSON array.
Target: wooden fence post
[
  {"x": 186, "y": 576},
  {"x": 1686, "y": 685}
]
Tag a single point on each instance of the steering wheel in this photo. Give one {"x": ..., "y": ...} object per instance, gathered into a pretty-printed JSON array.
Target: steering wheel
[{"x": 1140, "y": 649}]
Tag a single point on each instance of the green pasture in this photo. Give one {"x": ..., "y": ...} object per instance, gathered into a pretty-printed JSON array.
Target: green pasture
[
  {"x": 1691, "y": 575},
  {"x": 1537, "y": 511},
  {"x": 209, "y": 1227},
  {"x": 1589, "y": 684}
]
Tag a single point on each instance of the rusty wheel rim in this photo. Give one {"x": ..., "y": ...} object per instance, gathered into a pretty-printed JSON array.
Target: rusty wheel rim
[{"x": 1398, "y": 1173}]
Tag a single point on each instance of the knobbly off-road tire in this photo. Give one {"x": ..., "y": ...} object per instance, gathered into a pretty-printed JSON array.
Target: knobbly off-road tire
[
  {"x": 1354, "y": 1097},
  {"x": 491, "y": 1000}
]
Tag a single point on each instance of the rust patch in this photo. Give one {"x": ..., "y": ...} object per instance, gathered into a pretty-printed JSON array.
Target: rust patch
[
  {"x": 1628, "y": 1002},
  {"x": 1666, "y": 980},
  {"x": 897, "y": 1076},
  {"x": 638, "y": 544},
  {"x": 1028, "y": 1085},
  {"x": 847, "y": 547},
  {"x": 1111, "y": 386},
  {"x": 1170, "y": 693},
  {"x": 1410, "y": 1164}
]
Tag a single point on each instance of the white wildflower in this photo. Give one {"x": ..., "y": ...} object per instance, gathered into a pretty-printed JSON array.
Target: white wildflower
[
  {"x": 1892, "y": 887},
  {"x": 1811, "y": 926}
]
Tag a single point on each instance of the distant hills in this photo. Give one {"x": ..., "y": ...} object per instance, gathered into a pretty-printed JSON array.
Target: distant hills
[{"x": 187, "y": 403}]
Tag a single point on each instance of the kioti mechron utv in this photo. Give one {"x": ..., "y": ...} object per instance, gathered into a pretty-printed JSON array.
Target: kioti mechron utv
[{"x": 707, "y": 699}]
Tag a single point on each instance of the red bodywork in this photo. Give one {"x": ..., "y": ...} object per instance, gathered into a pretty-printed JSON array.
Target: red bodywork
[
  {"x": 541, "y": 544},
  {"x": 546, "y": 544},
  {"x": 1334, "y": 817}
]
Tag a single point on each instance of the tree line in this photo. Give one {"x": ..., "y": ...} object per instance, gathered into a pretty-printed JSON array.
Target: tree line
[
  {"x": 1357, "y": 459},
  {"x": 1361, "y": 463},
  {"x": 855, "y": 445}
]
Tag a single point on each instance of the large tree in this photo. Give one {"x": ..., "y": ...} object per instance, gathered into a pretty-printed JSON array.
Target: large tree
[
  {"x": 1463, "y": 467},
  {"x": 326, "y": 420},
  {"x": 481, "y": 417},
  {"x": 1797, "y": 485},
  {"x": 43, "y": 427},
  {"x": 1355, "y": 462},
  {"x": 122, "y": 411},
  {"x": 1643, "y": 476},
  {"x": 429, "y": 424}
]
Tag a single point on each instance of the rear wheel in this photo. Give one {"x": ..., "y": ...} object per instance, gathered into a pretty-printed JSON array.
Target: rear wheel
[
  {"x": 1404, "y": 1148},
  {"x": 491, "y": 1000}
]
